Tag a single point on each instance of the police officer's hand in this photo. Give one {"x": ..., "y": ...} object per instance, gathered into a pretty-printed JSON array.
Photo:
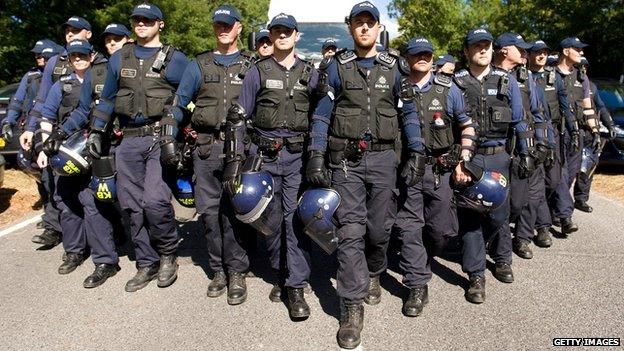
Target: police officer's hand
[
  {"x": 169, "y": 155},
  {"x": 53, "y": 143},
  {"x": 414, "y": 168},
  {"x": 231, "y": 173},
  {"x": 461, "y": 175},
  {"x": 574, "y": 141},
  {"x": 26, "y": 140},
  {"x": 540, "y": 154},
  {"x": 7, "y": 132},
  {"x": 42, "y": 160},
  {"x": 612, "y": 132},
  {"x": 596, "y": 142},
  {"x": 526, "y": 166},
  {"x": 94, "y": 144},
  {"x": 316, "y": 172}
]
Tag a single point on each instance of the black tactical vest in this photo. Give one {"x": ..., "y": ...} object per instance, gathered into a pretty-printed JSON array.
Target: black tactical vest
[
  {"x": 143, "y": 89},
  {"x": 574, "y": 85},
  {"x": 70, "y": 88},
  {"x": 62, "y": 68},
  {"x": 32, "y": 83},
  {"x": 99, "y": 68},
  {"x": 488, "y": 102},
  {"x": 365, "y": 107},
  {"x": 547, "y": 81},
  {"x": 220, "y": 87},
  {"x": 283, "y": 100},
  {"x": 435, "y": 123}
]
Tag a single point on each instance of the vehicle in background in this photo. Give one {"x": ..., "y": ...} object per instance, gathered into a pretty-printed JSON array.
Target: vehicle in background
[
  {"x": 612, "y": 93},
  {"x": 6, "y": 93}
]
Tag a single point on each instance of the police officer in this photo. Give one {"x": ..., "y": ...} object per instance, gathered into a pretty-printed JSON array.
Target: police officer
[
  {"x": 19, "y": 106},
  {"x": 356, "y": 125},
  {"x": 276, "y": 97},
  {"x": 115, "y": 36},
  {"x": 584, "y": 179},
  {"x": 140, "y": 85},
  {"x": 494, "y": 99},
  {"x": 427, "y": 204},
  {"x": 556, "y": 108},
  {"x": 264, "y": 47},
  {"x": 445, "y": 64},
  {"x": 525, "y": 189},
  {"x": 213, "y": 81},
  {"x": 579, "y": 99},
  {"x": 329, "y": 48}
]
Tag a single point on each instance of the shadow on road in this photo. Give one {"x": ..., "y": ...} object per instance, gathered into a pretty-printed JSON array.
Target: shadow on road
[{"x": 5, "y": 198}]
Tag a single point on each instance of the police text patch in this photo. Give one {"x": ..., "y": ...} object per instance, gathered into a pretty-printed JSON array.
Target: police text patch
[
  {"x": 274, "y": 84},
  {"x": 128, "y": 72}
]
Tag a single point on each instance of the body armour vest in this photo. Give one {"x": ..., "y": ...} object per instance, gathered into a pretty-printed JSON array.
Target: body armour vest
[
  {"x": 62, "y": 68},
  {"x": 365, "y": 107},
  {"x": 435, "y": 123},
  {"x": 99, "y": 68},
  {"x": 32, "y": 83},
  {"x": 488, "y": 102},
  {"x": 219, "y": 88},
  {"x": 547, "y": 81},
  {"x": 283, "y": 100},
  {"x": 574, "y": 85},
  {"x": 143, "y": 89},
  {"x": 70, "y": 89}
]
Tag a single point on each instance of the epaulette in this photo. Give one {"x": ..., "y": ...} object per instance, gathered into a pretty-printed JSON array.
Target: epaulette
[
  {"x": 99, "y": 59},
  {"x": 346, "y": 56},
  {"x": 65, "y": 78},
  {"x": 499, "y": 72},
  {"x": 33, "y": 72},
  {"x": 442, "y": 80},
  {"x": 386, "y": 59},
  {"x": 459, "y": 78}
]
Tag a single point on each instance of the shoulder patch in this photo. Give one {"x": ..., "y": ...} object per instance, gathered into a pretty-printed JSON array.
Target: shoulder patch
[
  {"x": 499, "y": 72},
  {"x": 460, "y": 78},
  {"x": 65, "y": 78},
  {"x": 461, "y": 73},
  {"x": 385, "y": 59},
  {"x": 34, "y": 73},
  {"x": 346, "y": 56},
  {"x": 403, "y": 66},
  {"x": 394, "y": 52},
  {"x": 443, "y": 80}
]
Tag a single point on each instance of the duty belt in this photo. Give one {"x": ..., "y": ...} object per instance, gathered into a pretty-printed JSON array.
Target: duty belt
[
  {"x": 491, "y": 150},
  {"x": 293, "y": 144},
  {"x": 150, "y": 129}
]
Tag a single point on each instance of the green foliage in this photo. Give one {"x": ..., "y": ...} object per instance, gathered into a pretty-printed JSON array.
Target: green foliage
[{"x": 188, "y": 25}]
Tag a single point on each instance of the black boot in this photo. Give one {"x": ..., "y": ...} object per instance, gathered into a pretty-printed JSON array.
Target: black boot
[
  {"x": 168, "y": 271},
  {"x": 276, "y": 293},
  {"x": 237, "y": 289},
  {"x": 416, "y": 301},
  {"x": 102, "y": 272},
  {"x": 143, "y": 276},
  {"x": 583, "y": 206},
  {"x": 476, "y": 290},
  {"x": 71, "y": 262},
  {"x": 503, "y": 272},
  {"x": 351, "y": 324},
  {"x": 49, "y": 238},
  {"x": 297, "y": 305},
  {"x": 556, "y": 221},
  {"x": 218, "y": 285},
  {"x": 522, "y": 248},
  {"x": 374, "y": 292},
  {"x": 567, "y": 226},
  {"x": 543, "y": 239}
]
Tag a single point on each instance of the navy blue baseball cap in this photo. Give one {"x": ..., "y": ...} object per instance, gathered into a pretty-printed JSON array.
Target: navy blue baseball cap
[
  {"x": 364, "y": 6},
  {"x": 442, "y": 59},
  {"x": 77, "y": 22},
  {"x": 539, "y": 45},
  {"x": 261, "y": 34},
  {"x": 511, "y": 39},
  {"x": 552, "y": 60},
  {"x": 420, "y": 44},
  {"x": 285, "y": 20},
  {"x": 116, "y": 29},
  {"x": 226, "y": 14},
  {"x": 584, "y": 61},
  {"x": 572, "y": 42},
  {"x": 39, "y": 45},
  {"x": 476, "y": 35},
  {"x": 149, "y": 11},
  {"x": 329, "y": 43},
  {"x": 79, "y": 46},
  {"x": 50, "y": 49}
]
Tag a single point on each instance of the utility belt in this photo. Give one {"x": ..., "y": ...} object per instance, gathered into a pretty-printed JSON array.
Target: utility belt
[
  {"x": 149, "y": 129},
  {"x": 272, "y": 146},
  {"x": 353, "y": 149},
  {"x": 491, "y": 150}
]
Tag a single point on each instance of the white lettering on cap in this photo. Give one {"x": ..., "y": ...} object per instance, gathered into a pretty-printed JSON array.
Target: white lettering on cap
[
  {"x": 222, "y": 12},
  {"x": 366, "y": 4},
  {"x": 281, "y": 15},
  {"x": 74, "y": 43},
  {"x": 540, "y": 42},
  {"x": 519, "y": 37},
  {"x": 111, "y": 26},
  {"x": 576, "y": 39},
  {"x": 39, "y": 43},
  {"x": 422, "y": 40},
  {"x": 74, "y": 19},
  {"x": 46, "y": 50},
  {"x": 477, "y": 31},
  {"x": 144, "y": 6}
]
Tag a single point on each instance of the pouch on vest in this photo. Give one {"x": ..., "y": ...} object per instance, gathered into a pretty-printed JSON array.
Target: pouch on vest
[
  {"x": 499, "y": 120},
  {"x": 346, "y": 122},
  {"x": 206, "y": 114},
  {"x": 387, "y": 123},
  {"x": 156, "y": 100},
  {"x": 124, "y": 103},
  {"x": 204, "y": 145},
  {"x": 578, "y": 114},
  {"x": 302, "y": 117},
  {"x": 441, "y": 133},
  {"x": 555, "y": 114},
  {"x": 266, "y": 114}
]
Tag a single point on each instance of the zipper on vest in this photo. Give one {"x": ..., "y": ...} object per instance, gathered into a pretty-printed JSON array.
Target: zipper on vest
[
  {"x": 290, "y": 95},
  {"x": 225, "y": 82},
  {"x": 141, "y": 103},
  {"x": 368, "y": 102}
]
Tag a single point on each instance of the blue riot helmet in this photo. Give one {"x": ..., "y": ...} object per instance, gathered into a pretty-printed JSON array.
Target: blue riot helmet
[
  {"x": 71, "y": 160},
  {"x": 487, "y": 192},
  {"x": 316, "y": 210},
  {"x": 103, "y": 183},
  {"x": 589, "y": 161},
  {"x": 252, "y": 203},
  {"x": 28, "y": 164},
  {"x": 184, "y": 191}
]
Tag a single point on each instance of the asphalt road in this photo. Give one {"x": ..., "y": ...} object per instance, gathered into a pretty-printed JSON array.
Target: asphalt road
[{"x": 573, "y": 289}]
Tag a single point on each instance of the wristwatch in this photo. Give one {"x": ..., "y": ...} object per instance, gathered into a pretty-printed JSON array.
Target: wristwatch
[{"x": 465, "y": 158}]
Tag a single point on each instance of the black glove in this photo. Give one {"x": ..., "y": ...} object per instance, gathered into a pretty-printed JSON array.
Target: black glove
[
  {"x": 596, "y": 142},
  {"x": 550, "y": 158},
  {"x": 526, "y": 166},
  {"x": 231, "y": 173},
  {"x": 414, "y": 169},
  {"x": 7, "y": 132},
  {"x": 574, "y": 141},
  {"x": 540, "y": 153},
  {"x": 612, "y": 132},
  {"x": 52, "y": 145},
  {"x": 94, "y": 144},
  {"x": 316, "y": 172},
  {"x": 169, "y": 155}
]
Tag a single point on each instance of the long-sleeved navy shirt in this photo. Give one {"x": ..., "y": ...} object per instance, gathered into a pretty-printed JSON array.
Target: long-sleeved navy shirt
[
  {"x": 173, "y": 74},
  {"x": 323, "y": 114},
  {"x": 42, "y": 93},
  {"x": 24, "y": 97},
  {"x": 599, "y": 106}
]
